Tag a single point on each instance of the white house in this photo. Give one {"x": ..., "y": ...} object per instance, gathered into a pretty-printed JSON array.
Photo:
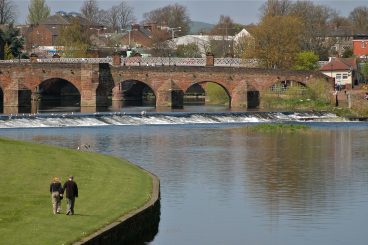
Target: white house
[
  {"x": 202, "y": 41},
  {"x": 343, "y": 71}
]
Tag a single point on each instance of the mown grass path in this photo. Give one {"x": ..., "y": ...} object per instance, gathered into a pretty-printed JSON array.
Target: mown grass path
[{"x": 109, "y": 187}]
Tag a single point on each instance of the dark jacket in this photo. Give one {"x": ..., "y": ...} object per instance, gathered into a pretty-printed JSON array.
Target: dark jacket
[
  {"x": 56, "y": 186},
  {"x": 71, "y": 189}
]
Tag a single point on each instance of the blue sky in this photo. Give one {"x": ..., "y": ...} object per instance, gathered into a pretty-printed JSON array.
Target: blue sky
[{"x": 241, "y": 11}]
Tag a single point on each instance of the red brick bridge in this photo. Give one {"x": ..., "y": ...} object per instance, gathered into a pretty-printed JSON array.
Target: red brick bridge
[{"x": 99, "y": 83}]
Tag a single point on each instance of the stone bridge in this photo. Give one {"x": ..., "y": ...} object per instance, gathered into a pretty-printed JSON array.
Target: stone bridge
[{"x": 99, "y": 83}]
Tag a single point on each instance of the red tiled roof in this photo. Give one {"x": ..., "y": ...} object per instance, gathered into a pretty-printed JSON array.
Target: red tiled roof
[{"x": 339, "y": 65}]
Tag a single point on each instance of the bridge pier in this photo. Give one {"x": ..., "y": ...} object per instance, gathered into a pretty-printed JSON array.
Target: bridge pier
[
  {"x": 10, "y": 101},
  {"x": 89, "y": 84},
  {"x": 239, "y": 98}
]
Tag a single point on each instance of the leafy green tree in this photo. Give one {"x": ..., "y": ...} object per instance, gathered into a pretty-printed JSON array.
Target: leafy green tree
[
  {"x": 364, "y": 71},
  {"x": 188, "y": 51},
  {"x": 75, "y": 40},
  {"x": 306, "y": 60},
  {"x": 8, "y": 52},
  {"x": 277, "y": 41},
  {"x": 37, "y": 11}
]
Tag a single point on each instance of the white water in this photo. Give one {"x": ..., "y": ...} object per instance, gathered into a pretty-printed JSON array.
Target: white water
[{"x": 105, "y": 119}]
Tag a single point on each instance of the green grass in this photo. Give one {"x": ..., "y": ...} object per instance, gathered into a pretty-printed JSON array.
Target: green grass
[
  {"x": 108, "y": 188},
  {"x": 277, "y": 127}
]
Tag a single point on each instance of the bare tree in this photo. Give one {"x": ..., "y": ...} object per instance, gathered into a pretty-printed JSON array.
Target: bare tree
[
  {"x": 113, "y": 18},
  {"x": 316, "y": 20},
  {"x": 359, "y": 18},
  {"x": 7, "y": 12},
  {"x": 117, "y": 17},
  {"x": 275, "y": 8},
  {"x": 90, "y": 10},
  {"x": 125, "y": 15},
  {"x": 172, "y": 16}
]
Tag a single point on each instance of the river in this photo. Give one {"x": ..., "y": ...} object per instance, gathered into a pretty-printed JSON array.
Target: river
[{"x": 223, "y": 184}]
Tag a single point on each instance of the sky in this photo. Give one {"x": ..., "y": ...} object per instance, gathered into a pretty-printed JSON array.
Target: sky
[{"x": 209, "y": 11}]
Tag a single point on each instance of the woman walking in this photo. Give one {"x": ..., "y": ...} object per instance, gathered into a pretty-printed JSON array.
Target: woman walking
[{"x": 56, "y": 195}]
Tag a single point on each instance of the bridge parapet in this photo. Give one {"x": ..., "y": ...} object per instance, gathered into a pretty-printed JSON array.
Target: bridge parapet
[{"x": 148, "y": 61}]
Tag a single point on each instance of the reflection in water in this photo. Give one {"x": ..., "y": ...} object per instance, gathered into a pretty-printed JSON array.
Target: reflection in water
[{"x": 224, "y": 185}]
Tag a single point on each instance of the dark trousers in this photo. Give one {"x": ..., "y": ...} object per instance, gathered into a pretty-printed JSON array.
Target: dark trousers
[{"x": 70, "y": 205}]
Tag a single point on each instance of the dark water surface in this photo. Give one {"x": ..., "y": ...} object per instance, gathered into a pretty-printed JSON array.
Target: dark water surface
[{"x": 222, "y": 184}]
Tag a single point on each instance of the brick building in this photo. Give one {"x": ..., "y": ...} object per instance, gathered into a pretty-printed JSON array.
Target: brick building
[
  {"x": 360, "y": 45},
  {"x": 47, "y": 32},
  {"x": 143, "y": 35}
]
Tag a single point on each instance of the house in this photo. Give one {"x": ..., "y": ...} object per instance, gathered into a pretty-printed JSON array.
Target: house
[
  {"x": 241, "y": 35},
  {"x": 203, "y": 42},
  {"x": 360, "y": 46},
  {"x": 143, "y": 36},
  {"x": 343, "y": 71},
  {"x": 45, "y": 34}
]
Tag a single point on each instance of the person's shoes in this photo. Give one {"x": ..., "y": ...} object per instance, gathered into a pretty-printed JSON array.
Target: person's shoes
[{"x": 68, "y": 213}]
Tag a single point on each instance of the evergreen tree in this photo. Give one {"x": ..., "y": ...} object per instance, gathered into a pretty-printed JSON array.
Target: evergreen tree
[
  {"x": 8, "y": 52},
  {"x": 37, "y": 11}
]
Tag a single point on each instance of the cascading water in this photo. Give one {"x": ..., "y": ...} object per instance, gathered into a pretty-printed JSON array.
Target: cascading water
[{"x": 105, "y": 119}]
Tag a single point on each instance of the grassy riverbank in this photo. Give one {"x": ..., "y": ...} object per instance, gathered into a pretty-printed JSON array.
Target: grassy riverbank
[
  {"x": 277, "y": 127},
  {"x": 108, "y": 188}
]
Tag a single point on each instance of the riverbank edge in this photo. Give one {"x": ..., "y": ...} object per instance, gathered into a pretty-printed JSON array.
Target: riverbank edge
[{"x": 136, "y": 222}]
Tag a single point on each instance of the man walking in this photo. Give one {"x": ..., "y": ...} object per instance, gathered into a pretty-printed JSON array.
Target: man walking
[{"x": 71, "y": 189}]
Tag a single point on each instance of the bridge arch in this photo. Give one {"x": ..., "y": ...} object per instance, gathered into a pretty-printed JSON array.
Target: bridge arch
[
  {"x": 285, "y": 87},
  {"x": 133, "y": 92},
  {"x": 207, "y": 92},
  {"x": 54, "y": 93}
]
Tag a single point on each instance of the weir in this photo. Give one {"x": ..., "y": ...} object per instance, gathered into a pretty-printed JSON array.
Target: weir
[{"x": 115, "y": 119}]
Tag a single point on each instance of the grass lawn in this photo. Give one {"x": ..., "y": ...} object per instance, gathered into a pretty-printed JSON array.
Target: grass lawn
[{"x": 108, "y": 188}]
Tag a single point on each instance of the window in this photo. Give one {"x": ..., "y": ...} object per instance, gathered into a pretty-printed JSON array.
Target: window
[
  {"x": 344, "y": 76},
  {"x": 338, "y": 76},
  {"x": 364, "y": 44}
]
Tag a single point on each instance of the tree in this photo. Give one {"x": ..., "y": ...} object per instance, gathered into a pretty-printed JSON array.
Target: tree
[
  {"x": 7, "y": 12},
  {"x": 8, "y": 52},
  {"x": 160, "y": 45},
  {"x": 359, "y": 19},
  {"x": 37, "y": 11},
  {"x": 348, "y": 52},
  {"x": 125, "y": 15},
  {"x": 365, "y": 71},
  {"x": 90, "y": 10},
  {"x": 245, "y": 47},
  {"x": 75, "y": 40},
  {"x": 316, "y": 21},
  {"x": 306, "y": 60},
  {"x": 226, "y": 27},
  {"x": 172, "y": 16},
  {"x": 188, "y": 51},
  {"x": 275, "y": 8},
  {"x": 277, "y": 41},
  {"x": 117, "y": 17},
  {"x": 10, "y": 37}
]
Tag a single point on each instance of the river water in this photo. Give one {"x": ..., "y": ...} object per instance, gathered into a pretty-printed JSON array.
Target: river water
[{"x": 223, "y": 184}]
